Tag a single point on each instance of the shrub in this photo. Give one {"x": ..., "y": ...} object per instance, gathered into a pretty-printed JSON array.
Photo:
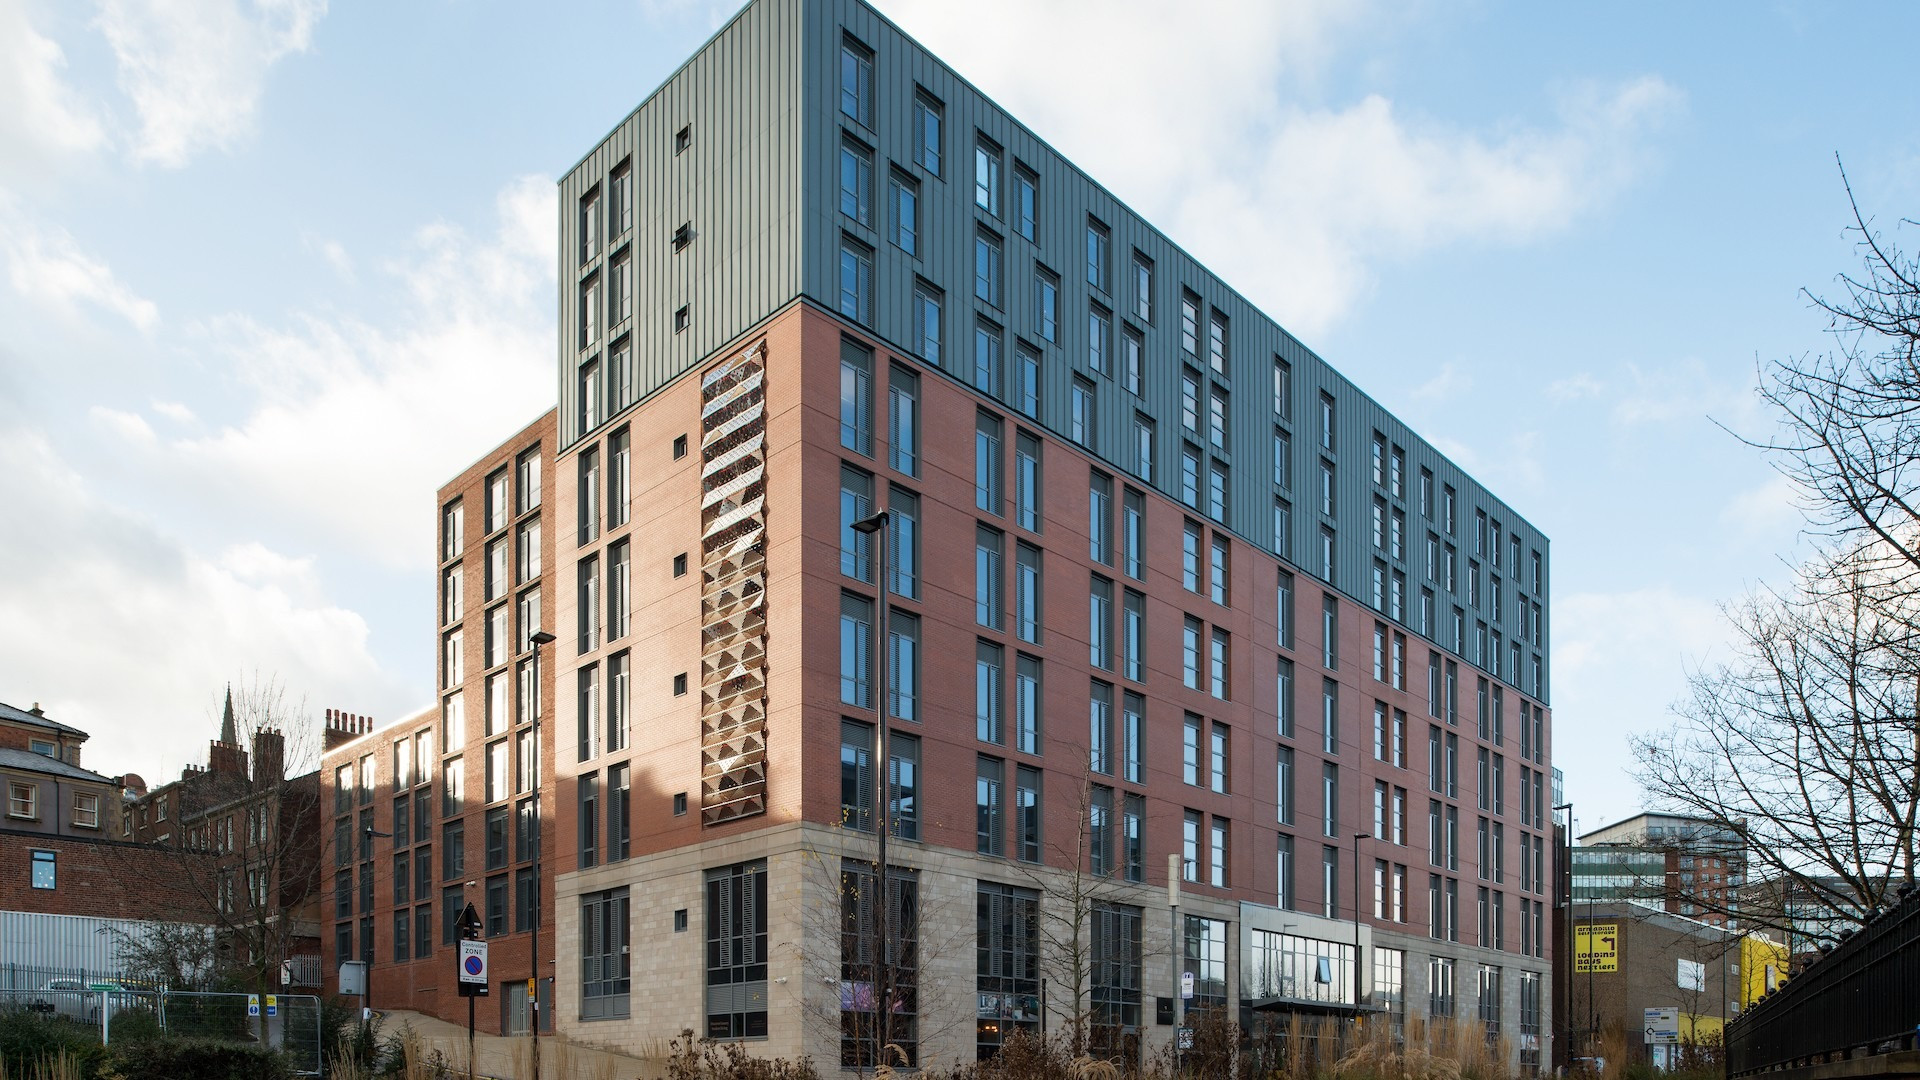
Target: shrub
[
  {"x": 28, "y": 1038},
  {"x": 202, "y": 1059}
]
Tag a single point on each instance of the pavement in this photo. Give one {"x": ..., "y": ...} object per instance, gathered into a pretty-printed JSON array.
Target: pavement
[{"x": 509, "y": 1057}]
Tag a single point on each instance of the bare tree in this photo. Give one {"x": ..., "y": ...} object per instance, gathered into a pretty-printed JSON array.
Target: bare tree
[
  {"x": 245, "y": 836},
  {"x": 1805, "y": 743}
]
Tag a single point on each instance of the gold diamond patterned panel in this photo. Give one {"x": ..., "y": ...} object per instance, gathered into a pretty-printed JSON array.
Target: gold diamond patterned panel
[{"x": 733, "y": 600}]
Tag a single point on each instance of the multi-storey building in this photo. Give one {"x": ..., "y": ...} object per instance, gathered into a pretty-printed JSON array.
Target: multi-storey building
[
  {"x": 445, "y": 808},
  {"x": 245, "y": 832},
  {"x": 1162, "y": 593},
  {"x": 1690, "y": 866}
]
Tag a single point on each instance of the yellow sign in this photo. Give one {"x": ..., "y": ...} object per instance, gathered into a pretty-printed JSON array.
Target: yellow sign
[{"x": 1596, "y": 948}]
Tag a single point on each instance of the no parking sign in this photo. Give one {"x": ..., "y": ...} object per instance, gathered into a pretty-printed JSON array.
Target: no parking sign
[{"x": 473, "y": 967}]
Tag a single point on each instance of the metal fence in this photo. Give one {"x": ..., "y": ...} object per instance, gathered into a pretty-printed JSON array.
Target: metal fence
[
  {"x": 1862, "y": 998},
  {"x": 285, "y": 1022}
]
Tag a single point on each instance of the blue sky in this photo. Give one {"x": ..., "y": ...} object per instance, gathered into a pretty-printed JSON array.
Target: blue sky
[{"x": 270, "y": 272}]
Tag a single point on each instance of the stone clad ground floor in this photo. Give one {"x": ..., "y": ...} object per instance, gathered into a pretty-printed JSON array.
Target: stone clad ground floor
[{"x": 762, "y": 938}]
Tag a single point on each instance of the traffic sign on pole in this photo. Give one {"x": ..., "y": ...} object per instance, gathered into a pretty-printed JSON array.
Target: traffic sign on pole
[{"x": 473, "y": 968}]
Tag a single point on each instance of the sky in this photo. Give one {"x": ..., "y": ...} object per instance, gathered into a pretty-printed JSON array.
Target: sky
[{"x": 271, "y": 271}]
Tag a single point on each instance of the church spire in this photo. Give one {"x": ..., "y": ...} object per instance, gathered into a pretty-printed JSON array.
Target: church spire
[{"x": 227, "y": 734}]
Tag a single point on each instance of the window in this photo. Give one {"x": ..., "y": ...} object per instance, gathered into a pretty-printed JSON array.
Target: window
[
  {"x": 1027, "y": 813},
  {"x": 856, "y": 650},
  {"x": 1189, "y": 323},
  {"x": 86, "y": 810},
  {"x": 856, "y": 280},
  {"x": 986, "y": 358},
  {"x": 1026, "y": 481},
  {"x": 1028, "y": 695},
  {"x": 1221, "y": 738},
  {"x": 46, "y": 870},
  {"x": 856, "y": 181},
  {"x": 856, "y": 505},
  {"x": 1027, "y": 591},
  {"x": 1190, "y": 846},
  {"x": 1283, "y": 528},
  {"x": 927, "y": 302},
  {"x": 903, "y": 665},
  {"x": 736, "y": 910},
  {"x": 989, "y": 687},
  {"x": 1219, "y": 664},
  {"x": 989, "y": 775},
  {"x": 1217, "y": 491},
  {"x": 1284, "y": 702},
  {"x": 1133, "y": 636},
  {"x": 1330, "y": 799},
  {"x": 1100, "y": 623},
  {"x": 589, "y": 620},
  {"x": 904, "y": 199},
  {"x": 23, "y": 800},
  {"x": 1046, "y": 303},
  {"x": 1099, "y": 258},
  {"x": 986, "y": 463},
  {"x": 903, "y": 785},
  {"x": 1115, "y": 986},
  {"x": 1217, "y": 862},
  {"x": 589, "y": 332},
  {"x": 1100, "y": 728},
  {"x": 1100, "y": 517},
  {"x": 605, "y": 961},
  {"x": 1330, "y": 631},
  {"x": 590, "y": 223},
  {"x": 1330, "y": 880},
  {"x": 856, "y": 82},
  {"x": 1100, "y": 340},
  {"x": 1026, "y": 199},
  {"x": 1217, "y": 419},
  {"x": 619, "y": 289},
  {"x": 1133, "y": 534},
  {"x": 927, "y": 116},
  {"x": 1330, "y": 716},
  {"x": 903, "y": 538},
  {"x": 987, "y": 576},
  {"x": 1009, "y": 961},
  {"x": 1133, "y": 361},
  {"x": 1028, "y": 381},
  {"x": 1190, "y": 475},
  {"x": 1218, "y": 572},
  {"x": 986, "y": 175},
  {"x": 1133, "y": 826},
  {"x": 1190, "y": 653},
  {"x": 1133, "y": 736},
  {"x": 1080, "y": 416},
  {"x": 987, "y": 268},
  {"x": 1217, "y": 336},
  {"x": 856, "y": 398}
]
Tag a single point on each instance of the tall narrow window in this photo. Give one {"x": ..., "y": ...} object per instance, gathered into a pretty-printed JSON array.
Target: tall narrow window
[
  {"x": 903, "y": 420},
  {"x": 856, "y": 181},
  {"x": 903, "y": 536},
  {"x": 988, "y": 577},
  {"x": 1099, "y": 340},
  {"x": 856, "y": 280},
  {"x": 927, "y": 303},
  {"x": 1099, "y": 257},
  {"x": 1026, "y": 481},
  {"x": 1100, "y": 727},
  {"x": 928, "y": 116},
  {"x": 1100, "y": 623},
  {"x": 989, "y": 682},
  {"x": 986, "y": 175},
  {"x": 986, "y": 463},
  {"x": 1133, "y": 361},
  {"x": 1027, "y": 698},
  {"x": 1026, "y": 381},
  {"x": 856, "y": 398},
  {"x": 1080, "y": 415},
  {"x": 990, "y": 836},
  {"x": 1026, "y": 196},
  {"x": 987, "y": 255},
  {"x": 904, "y": 199},
  {"x": 856, "y": 82},
  {"x": 1046, "y": 304},
  {"x": 986, "y": 358},
  {"x": 1027, "y": 592}
]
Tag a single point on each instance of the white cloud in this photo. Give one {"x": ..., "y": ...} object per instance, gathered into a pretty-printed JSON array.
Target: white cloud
[
  {"x": 1575, "y": 387},
  {"x": 195, "y": 71},
  {"x": 119, "y": 628},
  {"x": 42, "y": 120},
  {"x": 352, "y": 426},
  {"x": 45, "y": 265},
  {"x": 1446, "y": 383},
  {"x": 175, "y": 411},
  {"x": 1771, "y": 509},
  {"x": 1293, "y": 203},
  {"x": 1685, "y": 392},
  {"x": 131, "y": 427}
]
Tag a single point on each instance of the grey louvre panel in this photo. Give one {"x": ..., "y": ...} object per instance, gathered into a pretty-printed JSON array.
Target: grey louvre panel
[
  {"x": 737, "y": 998},
  {"x": 760, "y": 190}
]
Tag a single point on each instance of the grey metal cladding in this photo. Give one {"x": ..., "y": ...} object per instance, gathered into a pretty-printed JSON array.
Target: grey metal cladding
[
  {"x": 736, "y": 185},
  {"x": 1067, "y": 197},
  {"x": 759, "y": 187}
]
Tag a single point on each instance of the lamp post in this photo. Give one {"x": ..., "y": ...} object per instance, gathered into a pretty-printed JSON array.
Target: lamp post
[
  {"x": 875, "y": 530},
  {"x": 537, "y": 638},
  {"x": 1566, "y": 903},
  {"x": 1357, "y": 837}
]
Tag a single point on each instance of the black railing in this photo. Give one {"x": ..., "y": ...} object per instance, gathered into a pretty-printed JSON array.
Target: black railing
[{"x": 1861, "y": 998}]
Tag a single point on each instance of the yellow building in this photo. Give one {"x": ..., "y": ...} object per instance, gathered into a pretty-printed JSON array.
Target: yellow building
[{"x": 1763, "y": 966}]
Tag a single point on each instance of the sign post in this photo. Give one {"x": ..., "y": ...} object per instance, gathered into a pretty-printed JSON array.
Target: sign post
[
  {"x": 1596, "y": 948},
  {"x": 1662, "y": 1026},
  {"x": 472, "y": 980}
]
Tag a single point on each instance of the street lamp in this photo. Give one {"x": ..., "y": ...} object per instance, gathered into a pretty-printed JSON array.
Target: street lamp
[
  {"x": 1357, "y": 837},
  {"x": 875, "y": 530},
  {"x": 1567, "y": 904},
  {"x": 537, "y": 639}
]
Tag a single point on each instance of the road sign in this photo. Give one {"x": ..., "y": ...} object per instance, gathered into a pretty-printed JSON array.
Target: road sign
[
  {"x": 1596, "y": 948},
  {"x": 1185, "y": 1038},
  {"x": 273, "y": 1005},
  {"x": 253, "y": 1004},
  {"x": 473, "y": 968},
  {"x": 1663, "y": 1026},
  {"x": 1186, "y": 985}
]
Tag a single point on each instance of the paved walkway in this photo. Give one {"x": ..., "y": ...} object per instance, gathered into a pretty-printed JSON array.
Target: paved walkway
[{"x": 509, "y": 1057}]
